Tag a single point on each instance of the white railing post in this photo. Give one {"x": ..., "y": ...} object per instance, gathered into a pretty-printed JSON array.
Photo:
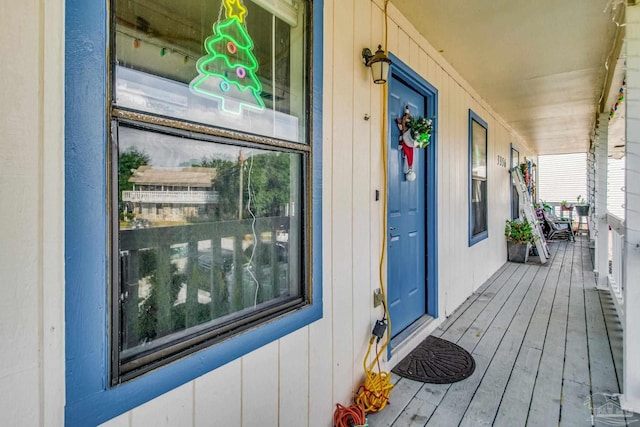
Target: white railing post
[
  {"x": 600, "y": 211},
  {"x": 630, "y": 399}
]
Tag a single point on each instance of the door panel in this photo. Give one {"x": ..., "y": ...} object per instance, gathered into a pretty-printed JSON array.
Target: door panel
[{"x": 406, "y": 217}]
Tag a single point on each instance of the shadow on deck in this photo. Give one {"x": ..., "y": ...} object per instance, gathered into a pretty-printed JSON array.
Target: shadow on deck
[{"x": 548, "y": 351}]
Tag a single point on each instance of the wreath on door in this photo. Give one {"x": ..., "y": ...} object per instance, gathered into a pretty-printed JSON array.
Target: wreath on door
[{"x": 414, "y": 133}]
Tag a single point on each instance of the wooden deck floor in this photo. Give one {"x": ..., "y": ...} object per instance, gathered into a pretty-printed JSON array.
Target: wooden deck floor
[{"x": 544, "y": 341}]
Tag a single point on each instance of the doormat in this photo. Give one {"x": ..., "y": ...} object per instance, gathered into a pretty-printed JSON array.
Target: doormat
[{"x": 436, "y": 361}]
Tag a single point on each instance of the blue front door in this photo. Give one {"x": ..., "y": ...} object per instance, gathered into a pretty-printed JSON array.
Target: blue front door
[{"x": 406, "y": 284}]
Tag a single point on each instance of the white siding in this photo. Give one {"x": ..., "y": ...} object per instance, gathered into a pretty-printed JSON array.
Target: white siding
[
  {"x": 31, "y": 226},
  {"x": 615, "y": 185},
  {"x": 562, "y": 177}
]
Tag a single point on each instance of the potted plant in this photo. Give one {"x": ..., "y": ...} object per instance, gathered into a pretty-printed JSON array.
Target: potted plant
[
  {"x": 582, "y": 207},
  {"x": 519, "y": 236},
  {"x": 565, "y": 206},
  {"x": 418, "y": 131}
]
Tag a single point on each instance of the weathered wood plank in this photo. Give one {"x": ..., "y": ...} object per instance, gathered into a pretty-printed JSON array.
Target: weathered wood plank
[
  {"x": 538, "y": 327},
  {"x": 478, "y": 329},
  {"x": 545, "y": 403},
  {"x": 576, "y": 365},
  {"x": 490, "y": 287},
  {"x": 485, "y": 403},
  {"x": 517, "y": 396},
  {"x": 416, "y": 414},
  {"x": 402, "y": 394},
  {"x": 450, "y": 410},
  {"x": 531, "y": 353},
  {"x": 490, "y": 339},
  {"x": 575, "y": 409},
  {"x": 516, "y": 399},
  {"x": 603, "y": 375}
]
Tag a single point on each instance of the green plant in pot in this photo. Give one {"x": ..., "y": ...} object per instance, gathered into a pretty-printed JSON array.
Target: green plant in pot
[
  {"x": 582, "y": 207},
  {"x": 566, "y": 206},
  {"x": 519, "y": 236}
]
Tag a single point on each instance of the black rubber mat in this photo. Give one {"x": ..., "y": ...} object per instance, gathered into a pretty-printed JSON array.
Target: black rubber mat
[{"x": 436, "y": 361}]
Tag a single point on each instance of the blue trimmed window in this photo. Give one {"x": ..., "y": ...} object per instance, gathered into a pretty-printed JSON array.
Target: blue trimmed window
[
  {"x": 205, "y": 127},
  {"x": 515, "y": 197},
  {"x": 478, "y": 216}
]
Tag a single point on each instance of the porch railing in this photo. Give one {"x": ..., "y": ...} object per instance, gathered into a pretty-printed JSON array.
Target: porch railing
[
  {"x": 178, "y": 197},
  {"x": 616, "y": 263}
]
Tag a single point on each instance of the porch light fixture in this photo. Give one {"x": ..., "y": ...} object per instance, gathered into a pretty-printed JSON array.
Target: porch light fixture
[{"x": 379, "y": 64}]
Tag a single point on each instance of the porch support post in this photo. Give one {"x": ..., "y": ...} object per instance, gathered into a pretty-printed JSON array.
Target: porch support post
[
  {"x": 630, "y": 399},
  {"x": 601, "y": 266}
]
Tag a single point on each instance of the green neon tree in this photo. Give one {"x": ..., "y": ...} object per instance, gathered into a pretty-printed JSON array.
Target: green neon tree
[{"x": 228, "y": 71}]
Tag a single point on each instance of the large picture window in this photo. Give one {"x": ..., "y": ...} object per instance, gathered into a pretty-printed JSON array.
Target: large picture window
[
  {"x": 478, "y": 229},
  {"x": 211, "y": 166}
]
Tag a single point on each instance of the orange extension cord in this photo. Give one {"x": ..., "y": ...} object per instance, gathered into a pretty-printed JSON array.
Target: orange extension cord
[{"x": 348, "y": 416}]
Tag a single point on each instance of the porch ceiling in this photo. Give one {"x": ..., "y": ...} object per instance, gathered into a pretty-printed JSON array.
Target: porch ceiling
[{"x": 540, "y": 64}]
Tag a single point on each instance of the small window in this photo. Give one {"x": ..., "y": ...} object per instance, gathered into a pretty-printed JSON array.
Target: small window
[
  {"x": 478, "y": 229},
  {"x": 515, "y": 197},
  {"x": 211, "y": 168}
]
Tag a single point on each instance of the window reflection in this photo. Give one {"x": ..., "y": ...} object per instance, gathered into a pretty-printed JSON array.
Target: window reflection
[
  {"x": 193, "y": 60},
  {"x": 208, "y": 234}
]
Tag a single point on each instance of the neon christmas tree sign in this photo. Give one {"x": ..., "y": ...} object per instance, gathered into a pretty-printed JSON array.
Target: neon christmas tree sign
[{"x": 228, "y": 71}]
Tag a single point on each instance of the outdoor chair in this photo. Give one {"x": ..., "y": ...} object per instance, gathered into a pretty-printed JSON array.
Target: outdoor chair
[{"x": 557, "y": 228}]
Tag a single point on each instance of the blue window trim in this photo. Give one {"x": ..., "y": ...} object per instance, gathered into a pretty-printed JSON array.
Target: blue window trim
[
  {"x": 89, "y": 399},
  {"x": 514, "y": 212},
  {"x": 473, "y": 239},
  {"x": 403, "y": 72}
]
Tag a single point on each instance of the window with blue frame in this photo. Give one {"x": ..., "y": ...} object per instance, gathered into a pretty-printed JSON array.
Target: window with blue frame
[
  {"x": 192, "y": 190},
  {"x": 515, "y": 197},
  {"x": 210, "y": 175},
  {"x": 478, "y": 226}
]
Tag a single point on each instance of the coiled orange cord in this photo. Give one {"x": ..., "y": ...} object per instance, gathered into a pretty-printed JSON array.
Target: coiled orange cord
[{"x": 348, "y": 416}]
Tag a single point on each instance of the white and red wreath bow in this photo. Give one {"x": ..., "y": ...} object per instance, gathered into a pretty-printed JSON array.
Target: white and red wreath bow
[{"x": 406, "y": 144}]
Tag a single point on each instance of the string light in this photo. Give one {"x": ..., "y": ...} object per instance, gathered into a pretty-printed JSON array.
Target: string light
[{"x": 619, "y": 100}]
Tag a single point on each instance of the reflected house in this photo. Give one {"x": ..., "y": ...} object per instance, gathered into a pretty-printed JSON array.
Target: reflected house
[{"x": 161, "y": 194}]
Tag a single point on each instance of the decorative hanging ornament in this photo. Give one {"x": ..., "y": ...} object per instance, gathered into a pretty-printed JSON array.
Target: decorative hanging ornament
[{"x": 406, "y": 145}]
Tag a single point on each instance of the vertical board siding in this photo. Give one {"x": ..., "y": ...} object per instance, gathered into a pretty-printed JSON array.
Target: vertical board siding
[
  {"x": 320, "y": 347},
  {"x": 123, "y": 420},
  {"x": 293, "y": 390},
  {"x": 20, "y": 189},
  {"x": 342, "y": 195},
  {"x": 615, "y": 184},
  {"x": 174, "y": 408},
  {"x": 361, "y": 273},
  {"x": 259, "y": 386},
  {"x": 218, "y": 396}
]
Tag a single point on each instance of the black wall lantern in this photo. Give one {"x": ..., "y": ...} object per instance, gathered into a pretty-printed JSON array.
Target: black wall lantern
[{"x": 379, "y": 64}]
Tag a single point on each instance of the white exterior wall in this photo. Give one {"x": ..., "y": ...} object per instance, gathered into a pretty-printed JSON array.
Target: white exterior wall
[
  {"x": 31, "y": 218},
  {"x": 562, "y": 177},
  {"x": 296, "y": 380}
]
